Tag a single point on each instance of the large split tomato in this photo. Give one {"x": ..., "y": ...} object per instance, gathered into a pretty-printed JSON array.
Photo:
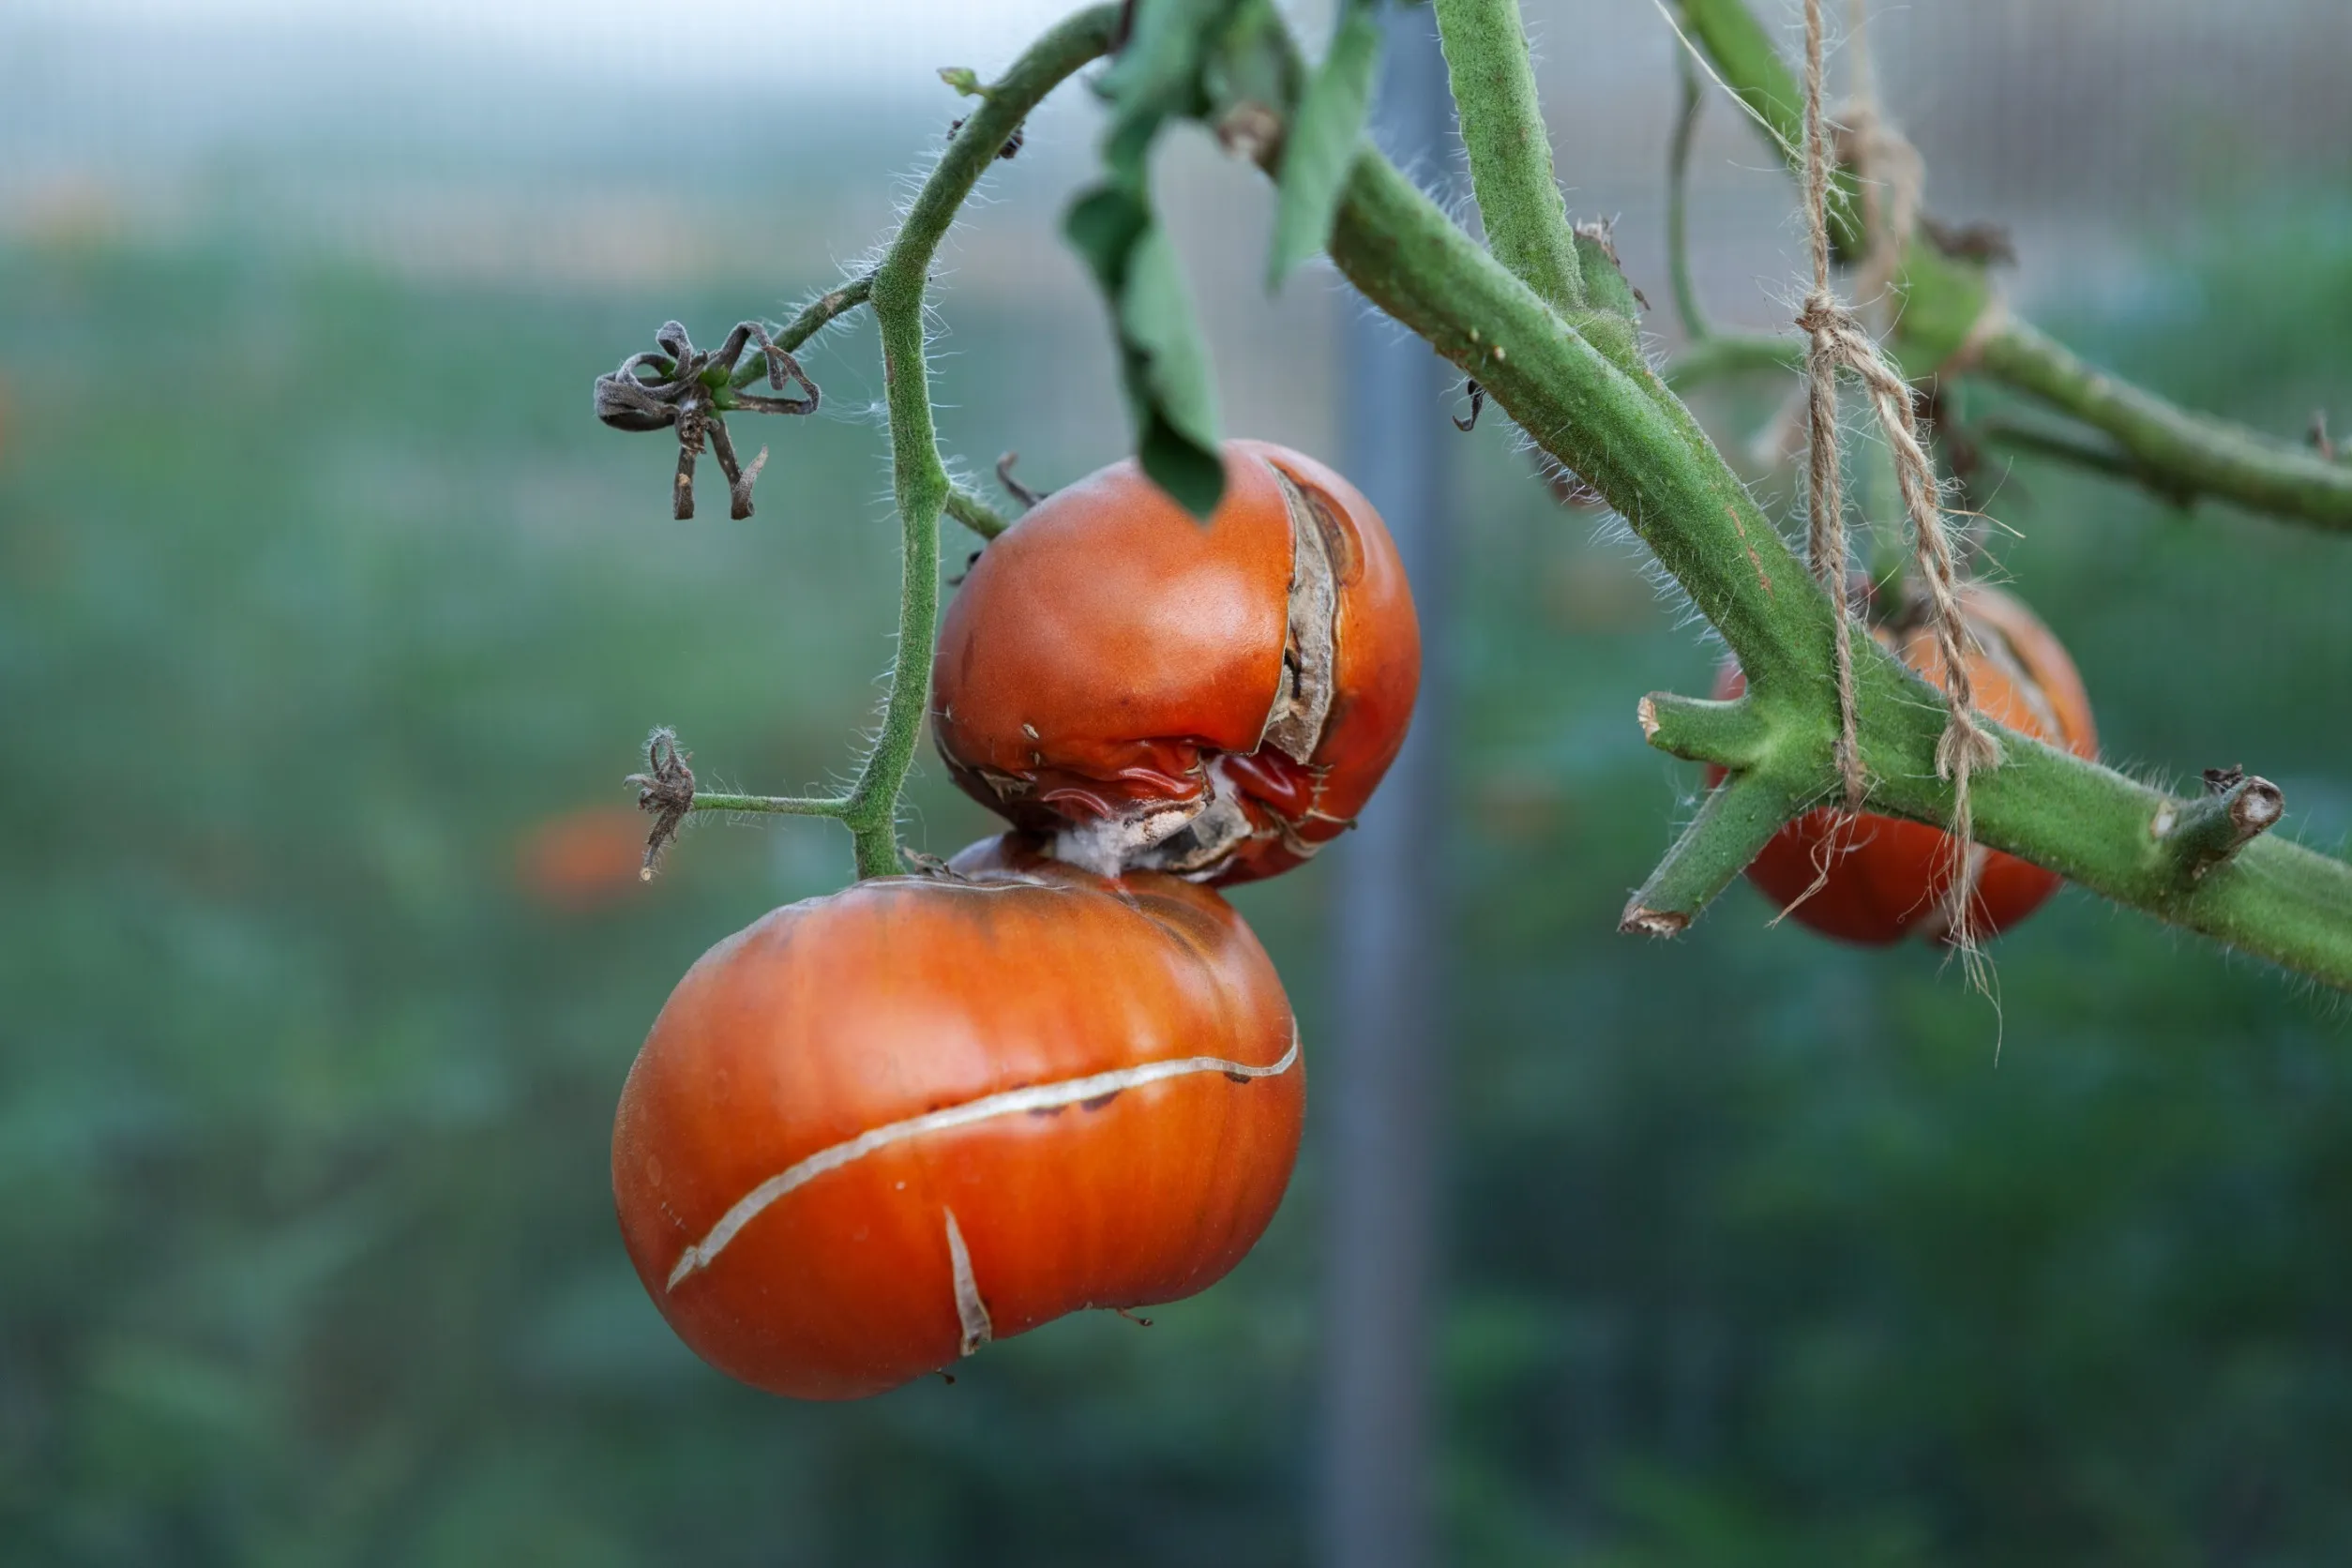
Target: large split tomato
[
  {"x": 1212, "y": 700},
  {"x": 875, "y": 1130},
  {"x": 1889, "y": 878}
]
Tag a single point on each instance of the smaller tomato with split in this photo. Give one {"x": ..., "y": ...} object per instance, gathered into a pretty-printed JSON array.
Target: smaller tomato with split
[
  {"x": 1886, "y": 878},
  {"x": 1147, "y": 691}
]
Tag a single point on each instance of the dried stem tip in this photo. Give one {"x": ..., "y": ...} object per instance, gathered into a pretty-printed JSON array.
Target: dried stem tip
[
  {"x": 1023, "y": 493},
  {"x": 1638, "y": 921},
  {"x": 2238, "y": 808},
  {"x": 665, "y": 791}
]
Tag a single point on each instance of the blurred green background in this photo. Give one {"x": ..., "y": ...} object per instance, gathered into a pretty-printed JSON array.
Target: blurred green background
[{"x": 322, "y": 596}]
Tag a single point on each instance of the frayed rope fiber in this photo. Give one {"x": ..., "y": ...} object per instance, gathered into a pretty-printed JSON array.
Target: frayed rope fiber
[{"x": 1837, "y": 342}]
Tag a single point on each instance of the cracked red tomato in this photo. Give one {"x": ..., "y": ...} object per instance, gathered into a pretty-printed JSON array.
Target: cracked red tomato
[
  {"x": 1889, "y": 877},
  {"x": 876, "y": 1130},
  {"x": 1215, "y": 700}
]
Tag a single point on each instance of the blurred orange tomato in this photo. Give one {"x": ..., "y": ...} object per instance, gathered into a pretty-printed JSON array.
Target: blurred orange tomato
[{"x": 584, "y": 859}]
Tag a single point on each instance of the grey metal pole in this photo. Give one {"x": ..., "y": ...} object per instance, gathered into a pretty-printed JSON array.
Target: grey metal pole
[{"x": 1381, "y": 1099}]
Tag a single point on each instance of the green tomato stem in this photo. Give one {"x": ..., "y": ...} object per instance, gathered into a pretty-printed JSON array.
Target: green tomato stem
[
  {"x": 975, "y": 514},
  {"x": 789, "y": 805},
  {"x": 1510, "y": 151},
  {"x": 918, "y": 477},
  {"x": 2176, "y": 453},
  {"x": 813, "y": 317},
  {"x": 1734, "y": 822},
  {"x": 1627, "y": 435}
]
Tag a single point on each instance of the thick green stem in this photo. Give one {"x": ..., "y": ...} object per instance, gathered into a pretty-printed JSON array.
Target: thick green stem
[
  {"x": 1619, "y": 427},
  {"x": 1627, "y": 433},
  {"x": 1510, "y": 152},
  {"x": 2179, "y": 454},
  {"x": 2204, "y": 864},
  {"x": 918, "y": 477},
  {"x": 1734, "y": 822},
  {"x": 2274, "y": 898}
]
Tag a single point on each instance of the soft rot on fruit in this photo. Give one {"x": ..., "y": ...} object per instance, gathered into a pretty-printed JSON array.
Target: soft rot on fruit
[
  {"x": 874, "y": 1131},
  {"x": 1889, "y": 878},
  {"x": 1216, "y": 699}
]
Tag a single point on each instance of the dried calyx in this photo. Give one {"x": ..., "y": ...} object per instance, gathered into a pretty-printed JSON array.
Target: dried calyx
[{"x": 1196, "y": 837}]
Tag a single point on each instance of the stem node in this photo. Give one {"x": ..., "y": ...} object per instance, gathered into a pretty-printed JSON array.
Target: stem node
[{"x": 2197, "y": 836}]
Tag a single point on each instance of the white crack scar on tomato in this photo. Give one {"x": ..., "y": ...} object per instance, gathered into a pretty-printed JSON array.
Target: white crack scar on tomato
[
  {"x": 1038, "y": 1097},
  {"x": 971, "y": 1313}
]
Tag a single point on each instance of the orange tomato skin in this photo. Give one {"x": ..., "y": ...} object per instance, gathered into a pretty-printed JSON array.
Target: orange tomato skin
[
  {"x": 1888, "y": 877},
  {"x": 843, "y": 1018},
  {"x": 1109, "y": 649}
]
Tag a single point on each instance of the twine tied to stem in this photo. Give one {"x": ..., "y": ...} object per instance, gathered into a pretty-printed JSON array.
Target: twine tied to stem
[{"x": 1837, "y": 342}]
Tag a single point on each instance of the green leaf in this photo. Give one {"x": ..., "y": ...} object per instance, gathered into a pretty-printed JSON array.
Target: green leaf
[
  {"x": 1163, "y": 364},
  {"x": 964, "y": 79},
  {"x": 1173, "y": 48},
  {"x": 1248, "y": 63},
  {"x": 1169, "y": 379},
  {"x": 1157, "y": 73},
  {"x": 1320, "y": 146}
]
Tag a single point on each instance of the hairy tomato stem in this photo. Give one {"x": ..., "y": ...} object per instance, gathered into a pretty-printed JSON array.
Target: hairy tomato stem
[
  {"x": 1633, "y": 439},
  {"x": 918, "y": 478},
  {"x": 2176, "y": 453},
  {"x": 1510, "y": 151}
]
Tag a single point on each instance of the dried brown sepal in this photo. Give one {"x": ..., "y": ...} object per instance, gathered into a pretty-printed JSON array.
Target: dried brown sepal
[
  {"x": 682, "y": 388},
  {"x": 924, "y": 864},
  {"x": 1027, "y": 495},
  {"x": 665, "y": 791}
]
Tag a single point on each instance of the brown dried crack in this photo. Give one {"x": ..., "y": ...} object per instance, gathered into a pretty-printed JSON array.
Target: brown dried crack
[
  {"x": 1194, "y": 837},
  {"x": 1294, "y": 726}
]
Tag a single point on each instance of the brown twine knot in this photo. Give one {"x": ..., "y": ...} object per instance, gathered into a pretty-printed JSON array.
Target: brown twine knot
[{"x": 1837, "y": 342}]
